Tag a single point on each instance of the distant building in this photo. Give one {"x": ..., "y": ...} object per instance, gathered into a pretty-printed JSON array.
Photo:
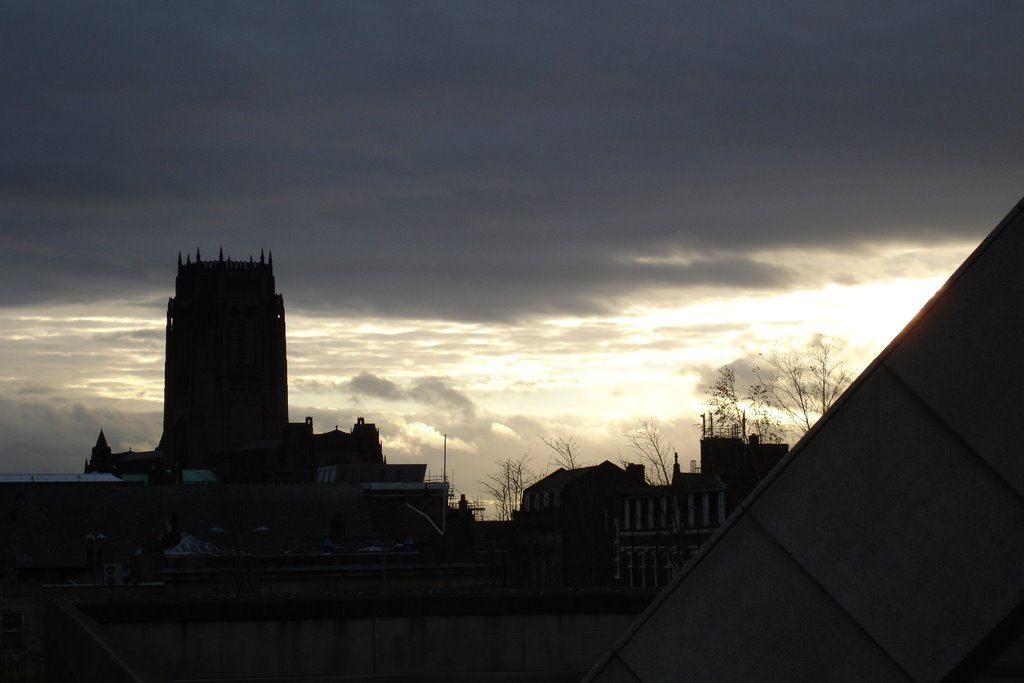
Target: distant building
[
  {"x": 606, "y": 526},
  {"x": 564, "y": 533},
  {"x": 226, "y": 369},
  {"x": 658, "y": 528},
  {"x": 226, "y": 389},
  {"x": 741, "y": 464}
]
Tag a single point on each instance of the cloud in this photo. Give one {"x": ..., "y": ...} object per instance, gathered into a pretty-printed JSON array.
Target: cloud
[
  {"x": 370, "y": 385},
  {"x": 57, "y": 436},
  {"x": 493, "y": 163},
  {"x": 483, "y": 214},
  {"x": 431, "y": 392},
  {"x": 438, "y": 391}
]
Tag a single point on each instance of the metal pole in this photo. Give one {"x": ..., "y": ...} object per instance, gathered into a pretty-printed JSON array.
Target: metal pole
[{"x": 444, "y": 473}]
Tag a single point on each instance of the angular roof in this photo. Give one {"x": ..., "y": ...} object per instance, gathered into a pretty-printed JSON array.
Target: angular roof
[
  {"x": 889, "y": 543},
  {"x": 560, "y": 478}
]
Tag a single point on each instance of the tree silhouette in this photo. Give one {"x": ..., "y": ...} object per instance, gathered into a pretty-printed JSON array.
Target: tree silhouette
[
  {"x": 802, "y": 385},
  {"x": 506, "y": 485},
  {"x": 567, "y": 451},
  {"x": 647, "y": 441}
]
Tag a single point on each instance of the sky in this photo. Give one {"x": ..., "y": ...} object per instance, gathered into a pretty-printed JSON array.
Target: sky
[{"x": 492, "y": 221}]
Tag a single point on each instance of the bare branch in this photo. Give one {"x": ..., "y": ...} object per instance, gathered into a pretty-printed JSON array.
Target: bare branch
[
  {"x": 567, "y": 451},
  {"x": 655, "y": 452},
  {"x": 506, "y": 485},
  {"x": 723, "y": 405},
  {"x": 802, "y": 385}
]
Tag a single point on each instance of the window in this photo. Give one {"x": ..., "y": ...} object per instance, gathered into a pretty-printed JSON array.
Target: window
[
  {"x": 691, "y": 512},
  {"x": 11, "y": 621},
  {"x": 326, "y": 474},
  {"x": 625, "y": 514},
  {"x": 721, "y": 508},
  {"x": 705, "y": 509}
]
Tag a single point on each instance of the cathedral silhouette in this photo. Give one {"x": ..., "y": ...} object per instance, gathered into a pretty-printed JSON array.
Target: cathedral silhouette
[{"x": 226, "y": 389}]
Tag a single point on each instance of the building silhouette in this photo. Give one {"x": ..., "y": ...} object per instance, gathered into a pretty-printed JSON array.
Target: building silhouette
[
  {"x": 270, "y": 525},
  {"x": 226, "y": 389},
  {"x": 226, "y": 369}
]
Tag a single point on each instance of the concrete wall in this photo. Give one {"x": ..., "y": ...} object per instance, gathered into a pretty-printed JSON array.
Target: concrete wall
[
  {"x": 367, "y": 646},
  {"x": 480, "y": 639}
]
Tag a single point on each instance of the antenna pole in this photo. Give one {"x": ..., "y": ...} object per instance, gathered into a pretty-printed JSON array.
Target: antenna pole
[{"x": 444, "y": 475}]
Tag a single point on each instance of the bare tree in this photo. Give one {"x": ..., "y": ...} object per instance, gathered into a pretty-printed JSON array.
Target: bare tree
[
  {"x": 762, "y": 418},
  {"x": 735, "y": 417},
  {"x": 567, "y": 451},
  {"x": 655, "y": 452},
  {"x": 802, "y": 385},
  {"x": 506, "y": 485},
  {"x": 723, "y": 404}
]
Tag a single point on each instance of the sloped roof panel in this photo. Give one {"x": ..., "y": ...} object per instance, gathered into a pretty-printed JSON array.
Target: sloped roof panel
[{"x": 887, "y": 545}]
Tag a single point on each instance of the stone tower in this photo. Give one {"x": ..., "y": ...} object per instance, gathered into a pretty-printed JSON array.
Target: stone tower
[{"x": 225, "y": 369}]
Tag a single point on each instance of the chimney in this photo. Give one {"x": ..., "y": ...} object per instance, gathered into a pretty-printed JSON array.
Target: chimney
[{"x": 636, "y": 469}]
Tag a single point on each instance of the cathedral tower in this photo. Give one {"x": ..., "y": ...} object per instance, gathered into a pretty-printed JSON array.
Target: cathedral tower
[{"x": 225, "y": 371}]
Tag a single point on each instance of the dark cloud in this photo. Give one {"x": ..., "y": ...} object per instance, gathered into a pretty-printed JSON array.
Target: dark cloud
[
  {"x": 369, "y": 385},
  {"x": 436, "y": 390},
  {"x": 56, "y": 435},
  {"x": 148, "y": 338},
  {"x": 492, "y": 161},
  {"x": 432, "y": 392}
]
